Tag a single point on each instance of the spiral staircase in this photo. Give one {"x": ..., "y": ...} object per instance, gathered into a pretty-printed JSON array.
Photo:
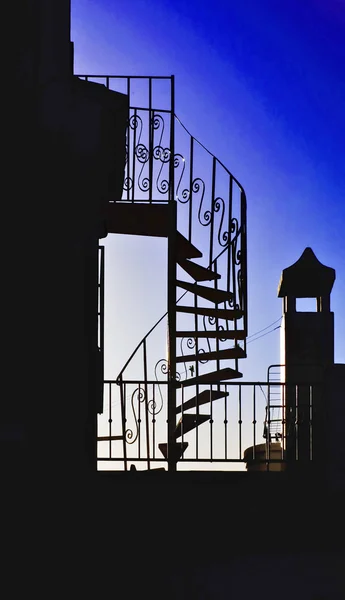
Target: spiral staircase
[{"x": 175, "y": 189}]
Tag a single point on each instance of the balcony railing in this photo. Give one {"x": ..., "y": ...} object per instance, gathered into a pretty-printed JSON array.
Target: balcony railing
[{"x": 134, "y": 423}]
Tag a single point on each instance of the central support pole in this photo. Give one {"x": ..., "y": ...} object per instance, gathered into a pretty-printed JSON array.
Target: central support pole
[
  {"x": 172, "y": 293},
  {"x": 172, "y": 337}
]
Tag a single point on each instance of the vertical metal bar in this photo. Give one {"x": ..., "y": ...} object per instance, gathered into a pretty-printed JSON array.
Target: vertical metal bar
[
  {"x": 134, "y": 150},
  {"x": 172, "y": 142},
  {"x": 254, "y": 421},
  {"x": 244, "y": 299},
  {"x": 240, "y": 419},
  {"x": 268, "y": 438},
  {"x": 153, "y": 421},
  {"x": 128, "y": 140},
  {"x": 182, "y": 413},
  {"x": 211, "y": 429},
  {"x": 225, "y": 425},
  {"x": 110, "y": 420},
  {"x": 215, "y": 268},
  {"x": 123, "y": 418},
  {"x": 229, "y": 230},
  {"x": 196, "y": 324},
  {"x": 171, "y": 335},
  {"x": 214, "y": 166},
  {"x": 146, "y": 400},
  {"x": 139, "y": 422},
  {"x": 150, "y": 140},
  {"x": 191, "y": 158},
  {"x": 107, "y": 82},
  {"x": 172, "y": 291}
]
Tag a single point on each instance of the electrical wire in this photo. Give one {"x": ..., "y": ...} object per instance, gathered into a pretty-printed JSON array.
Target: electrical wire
[
  {"x": 264, "y": 329},
  {"x": 263, "y": 335}
]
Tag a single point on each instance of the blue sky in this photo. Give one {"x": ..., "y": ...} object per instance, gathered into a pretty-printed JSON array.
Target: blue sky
[{"x": 262, "y": 86}]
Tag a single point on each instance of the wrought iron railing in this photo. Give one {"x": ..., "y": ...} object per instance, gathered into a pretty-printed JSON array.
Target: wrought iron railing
[
  {"x": 165, "y": 162},
  {"x": 135, "y": 422}
]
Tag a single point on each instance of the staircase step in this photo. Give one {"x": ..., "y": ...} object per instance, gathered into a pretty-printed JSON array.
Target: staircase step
[
  {"x": 215, "y": 296},
  {"x": 202, "y": 398},
  {"x": 189, "y": 422},
  {"x": 138, "y": 218},
  {"x": 233, "y": 334},
  {"x": 185, "y": 249},
  {"x": 197, "y": 272},
  {"x": 212, "y": 377},
  {"x": 178, "y": 449},
  {"x": 229, "y": 353},
  {"x": 219, "y": 313}
]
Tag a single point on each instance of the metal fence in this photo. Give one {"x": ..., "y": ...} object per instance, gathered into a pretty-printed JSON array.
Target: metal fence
[{"x": 134, "y": 422}]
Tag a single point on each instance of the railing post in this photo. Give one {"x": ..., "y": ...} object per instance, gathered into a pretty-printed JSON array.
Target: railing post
[
  {"x": 244, "y": 283},
  {"x": 172, "y": 293},
  {"x": 172, "y": 336}
]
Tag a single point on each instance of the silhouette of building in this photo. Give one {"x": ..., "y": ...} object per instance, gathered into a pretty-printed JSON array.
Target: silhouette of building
[{"x": 171, "y": 534}]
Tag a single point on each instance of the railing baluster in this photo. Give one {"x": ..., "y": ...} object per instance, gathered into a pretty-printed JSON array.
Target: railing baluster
[
  {"x": 139, "y": 422},
  {"x": 254, "y": 421},
  {"x": 240, "y": 419},
  {"x": 225, "y": 425},
  {"x": 146, "y": 406},
  {"x": 129, "y": 142},
  {"x": 110, "y": 420},
  {"x": 228, "y": 271},
  {"x": 151, "y": 117},
  {"x": 191, "y": 158},
  {"x": 123, "y": 416},
  {"x": 134, "y": 150},
  {"x": 211, "y": 429},
  {"x": 153, "y": 422},
  {"x": 213, "y": 194},
  {"x": 244, "y": 284}
]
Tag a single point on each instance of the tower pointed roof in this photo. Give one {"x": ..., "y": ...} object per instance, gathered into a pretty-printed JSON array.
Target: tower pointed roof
[{"x": 306, "y": 278}]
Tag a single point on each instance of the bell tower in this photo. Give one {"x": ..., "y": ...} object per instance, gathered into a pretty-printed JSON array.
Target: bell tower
[{"x": 307, "y": 353}]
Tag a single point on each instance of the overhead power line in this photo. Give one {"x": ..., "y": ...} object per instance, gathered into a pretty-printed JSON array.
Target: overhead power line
[
  {"x": 264, "y": 329},
  {"x": 263, "y": 335}
]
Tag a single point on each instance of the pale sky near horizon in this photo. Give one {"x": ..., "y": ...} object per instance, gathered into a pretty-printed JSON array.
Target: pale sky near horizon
[{"x": 262, "y": 86}]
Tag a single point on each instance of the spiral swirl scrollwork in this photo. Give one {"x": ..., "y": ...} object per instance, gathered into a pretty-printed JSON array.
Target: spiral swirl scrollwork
[
  {"x": 127, "y": 183},
  {"x": 163, "y": 155},
  {"x": 191, "y": 343},
  {"x": 202, "y": 351},
  {"x": 178, "y": 161},
  {"x": 221, "y": 328},
  {"x": 142, "y": 153},
  {"x": 162, "y": 366},
  {"x": 158, "y": 126},
  {"x": 238, "y": 258},
  {"x": 136, "y": 122},
  {"x": 240, "y": 288},
  {"x": 231, "y": 300},
  {"x": 138, "y": 395},
  {"x": 223, "y": 236},
  {"x": 234, "y": 227}
]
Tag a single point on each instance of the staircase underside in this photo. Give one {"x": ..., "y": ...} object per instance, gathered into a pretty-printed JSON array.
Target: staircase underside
[
  {"x": 209, "y": 378},
  {"x": 202, "y": 398},
  {"x": 227, "y": 354},
  {"x": 151, "y": 220}
]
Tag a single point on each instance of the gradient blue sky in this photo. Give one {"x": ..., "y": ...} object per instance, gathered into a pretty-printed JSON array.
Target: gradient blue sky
[{"x": 261, "y": 84}]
